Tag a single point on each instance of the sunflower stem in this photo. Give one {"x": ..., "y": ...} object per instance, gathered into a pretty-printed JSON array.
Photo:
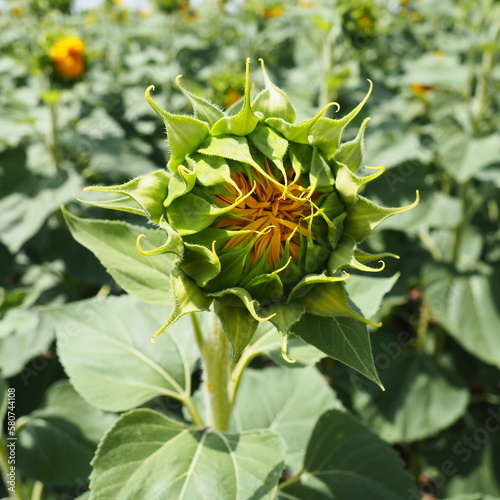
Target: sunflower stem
[{"x": 216, "y": 359}]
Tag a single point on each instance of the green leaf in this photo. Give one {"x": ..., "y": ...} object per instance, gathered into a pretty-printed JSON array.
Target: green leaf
[
  {"x": 331, "y": 299},
  {"x": 344, "y": 339},
  {"x": 24, "y": 212},
  {"x": 272, "y": 101},
  {"x": 184, "y": 133},
  {"x": 238, "y": 325},
  {"x": 463, "y": 157},
  {"x": 146, "y": 455},
  {"x": 25, "y": 333},
  {"x": 367, "y": 293},
  {"x": 326, "y": 133},
  {"x": 351, "y": 153},
  {"x": 114, "y": 244},
  {"x": 467, "y": 305},
  {"x": 466, "y": 460},
  {"x": 282, "y": 400},
  {"x": 230, "y": 147},
  {"x": 105, "y": 348},
  {"x": 348, "y": 184},
  {"x": 203, "y": 109},
  {"x": 57, "y": 441},
  {"x": 243, "y": 122},
  {"x": 421, "y": 399},
  {"x": 344, "y": 460},
  {"x": 188, "y": 298},
  {"x": 296, "y": 132},
  {"x": 147, "y": 191},
  {"x": 270, "y": 144},
  {"x": 364, "y": 216},
  {"x": 3, "y": 399},
  {"x": 320, "y": 174}
]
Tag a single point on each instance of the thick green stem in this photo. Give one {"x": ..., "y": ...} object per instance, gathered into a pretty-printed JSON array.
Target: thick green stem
[
  {"x": 216, "y": 357},
  {"x": 198, "y": 334}
]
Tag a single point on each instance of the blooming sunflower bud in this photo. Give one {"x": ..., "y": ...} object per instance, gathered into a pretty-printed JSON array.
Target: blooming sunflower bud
[
  {"x": 67, "y": 57},
  {"x": 263, "y": 212}
]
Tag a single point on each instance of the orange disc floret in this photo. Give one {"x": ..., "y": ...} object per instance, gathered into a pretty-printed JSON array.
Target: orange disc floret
[
  {"x": 67, "y": 56},
  {"x": 275, "y": 213}
]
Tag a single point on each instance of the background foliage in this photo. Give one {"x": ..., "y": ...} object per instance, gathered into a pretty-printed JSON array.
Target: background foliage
[{"x": 435, "y": 126}]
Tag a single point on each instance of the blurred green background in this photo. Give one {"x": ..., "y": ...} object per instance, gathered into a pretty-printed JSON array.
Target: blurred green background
[{"x": 74, "y": 115}]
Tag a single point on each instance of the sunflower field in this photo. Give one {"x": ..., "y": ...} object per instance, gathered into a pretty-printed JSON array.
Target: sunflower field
[{"x": 275, "y": 277}]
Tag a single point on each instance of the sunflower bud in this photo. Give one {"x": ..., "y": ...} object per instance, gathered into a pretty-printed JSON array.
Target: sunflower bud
[{"x": 263, "y": 212}]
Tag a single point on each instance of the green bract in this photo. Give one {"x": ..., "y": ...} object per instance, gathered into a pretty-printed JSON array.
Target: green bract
[{"x": 263, "y": 212}]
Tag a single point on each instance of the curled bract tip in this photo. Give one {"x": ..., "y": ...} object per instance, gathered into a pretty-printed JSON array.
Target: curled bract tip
[{"x": 284, "y": 348}]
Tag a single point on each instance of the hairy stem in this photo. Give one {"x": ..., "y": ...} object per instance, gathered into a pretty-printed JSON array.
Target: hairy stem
[{"x": 216, "y": 359}]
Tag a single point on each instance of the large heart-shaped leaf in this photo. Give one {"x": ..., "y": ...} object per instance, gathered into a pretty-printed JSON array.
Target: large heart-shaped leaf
[
  {"x": 57, "y": 441},
  {"x": 468, "y": 306},
  {"x": 287, "y": 401},
  {"x": 367, "y": 293},
  {"x": 341, "y": 338},
  {"x": 114, "y": 244},
  {"x": 146, "y": 455},
  {"x": 25, "y": 333},
  {"x": 345, "y": 460},
  {"x": 24, "y": 212},
  {"x": 104, "y": 346},
  {"x": 421, "y": 398}
]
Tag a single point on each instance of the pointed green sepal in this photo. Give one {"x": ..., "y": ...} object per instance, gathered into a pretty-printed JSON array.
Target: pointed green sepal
[
  {"x": 200, "y": 263},
  {"x": 365, "y": 257},
  {"x": 123, "y": 203},
  {"x": 364, "y": 216},
  {"x": 306, "y": 284},
  {"x": 148, "y": 191},
  {"x": 344, "y": 256},
  {"x": 265, "y": 287},
  {"x": 242, "y": 123},
  {"x": 184, "y": 133},
  {"x": 285, "y": 315},
  {"x": 210, "y": 171},
  {"x": 173, "y": 244},
  {"x": 351, "y": 153},
  {"x": 190, "y": 214},
  {"x": 298, "y": 132},
  {"x": 272, "y": 145},
  {"x": 348, "y": 184},
  {"x": 320, "y": 175},
  {"x": 238, "y": 325},
  {"x": 188, "y": 298},
  {"x": 233, "y": 262},
  {"x": 272, "y": 101},
  {"x": 330, "y": 299},
  {"x": 234, "y": 297},
  {"x": 232, "y": 148},
  {"x": 180, "y": 183},
  {"x": 326, "y": 133},
  {"x": 203, "y": 109}
]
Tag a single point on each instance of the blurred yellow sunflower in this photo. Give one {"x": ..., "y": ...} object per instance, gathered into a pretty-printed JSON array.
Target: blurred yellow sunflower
[{"x": 67, "y": 56}]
